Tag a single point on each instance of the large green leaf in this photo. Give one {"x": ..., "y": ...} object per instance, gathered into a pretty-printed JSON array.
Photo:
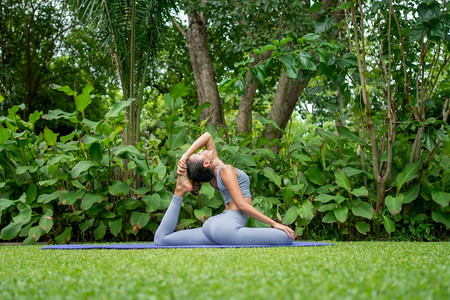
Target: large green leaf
[
  {"x": 363, "y": 210},
  {"x": 324, "y": 198},
  {"x": 272, "y": 176},
  {"x": 259, "y": 72},
  {"x": 324, "y": 56},
  {"x": 409, "y": 173},
  {"x": 91, "y": 139},
  {"x": 50, "y": 137},
  {"x": 24, "y": 216},
  {"x": 139, "y": 220},
  {"x": 153, "y": 201},
  {"x": 428, "y": 10},
  {"x": 65, "y": 236},
  {"x": 342, "y": 180},
  {"x": 46, "y": 198},
  {"x": 178, "y": 139},
  {"x": 169, "y": 101},
  {"x": 22, "y": 169},
  {"x": 179, "y": 90},
  {"x": 129, "y": 149},
  {"x": 5, "y": 203},
  {"x": 361, "y": 192},
  {"x": 362, "y": 227},
  {"x": 84, "y": 99},
  {"x": 288, "y": 195},
  {"x": 119, "y": 188},
  {"x": 10, "y": 231},
  {"x": 115, "y": 226},
  {"x": 327, "y": 207},
  {"x": 347, "y": 60},
  {"x": 66, "y": 89},
  {"x": 290, "y": 216},
  {"x": 34, "y": 234},
  {"x": 290, "y": 66},
  {"x": 306, "y": 61},
  {"x": 160, "y": 169},
  {"x": 95, "y": 152},
  {"x": 58, "y": 114},
  {"x": 310, "y": 37},
  {"x": 441, "y": 217},
  {"x": 48, "y": 182},
  {"x": 71, "y": 197},
  {"x": 315, "y": 175},
  {"x": 389, "y": 225},
  {"x": 90, "y": 124},
  {"x": 89, "y": 200},
  {"x": 394, "y": 204},
  {"x": 46, "y": 221},
  {"x": 82, "y": 166},
  {"x": 411, "y": 194},
  {"x": 4, "y": 135},
  {"x": 203, "y": 214},
  {"x": 345, "y": 5},
  {"x": 117, "y": 108},
  {"x": 352, "y": 171},
  {"x": 349, "y": 135},
  {"x": 207, "y": 190},
  {"x": 306, "y": 211},
  {"x": 341, "y": 213},
  {"x": 329, "y": 217},
  {"x": 86, "y": 225},
  {"x": 244, "y": 159},
  {"x": 440, "y": 197},
  {"x": 100, "y": 231}
]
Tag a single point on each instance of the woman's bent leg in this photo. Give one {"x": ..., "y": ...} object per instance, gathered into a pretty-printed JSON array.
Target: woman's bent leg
[
  {"x": 229, "y": 228},
  {"x": 165, "y": 235}
]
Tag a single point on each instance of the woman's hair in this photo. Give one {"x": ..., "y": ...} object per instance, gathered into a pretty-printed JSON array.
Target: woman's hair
[{"x": 197, "y": 172}]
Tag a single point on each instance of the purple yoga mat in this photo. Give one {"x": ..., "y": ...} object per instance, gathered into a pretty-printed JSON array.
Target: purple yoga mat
[{"x": 153, "y": 246}]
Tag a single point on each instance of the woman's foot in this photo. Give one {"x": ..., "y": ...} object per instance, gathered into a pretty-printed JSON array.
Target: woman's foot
[{"x": 183, "y": 185}]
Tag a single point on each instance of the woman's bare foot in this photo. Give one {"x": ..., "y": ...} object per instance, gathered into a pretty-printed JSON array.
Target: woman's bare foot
[{"x": 183, "y": 185}]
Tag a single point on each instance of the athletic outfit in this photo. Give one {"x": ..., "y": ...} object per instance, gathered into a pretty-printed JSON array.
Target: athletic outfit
[{"x": 226, "y": 228}]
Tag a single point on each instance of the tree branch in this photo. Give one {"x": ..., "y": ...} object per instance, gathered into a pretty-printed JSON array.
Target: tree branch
[{"x": 178, "y": 26}]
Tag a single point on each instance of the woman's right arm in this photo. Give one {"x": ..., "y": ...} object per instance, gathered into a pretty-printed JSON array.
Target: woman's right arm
[{"x": 205, "y": 140}]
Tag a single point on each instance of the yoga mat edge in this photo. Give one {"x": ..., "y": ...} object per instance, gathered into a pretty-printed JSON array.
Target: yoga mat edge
[{"x": 153, "y": 246}]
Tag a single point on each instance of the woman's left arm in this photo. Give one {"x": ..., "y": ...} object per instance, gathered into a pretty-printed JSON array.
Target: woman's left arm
[
  {"x": 205, "y": 140},
  {"x": 228, "y": 176}
]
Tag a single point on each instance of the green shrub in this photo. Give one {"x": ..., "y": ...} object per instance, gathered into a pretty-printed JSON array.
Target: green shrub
[{"x": 88, "y": 186}]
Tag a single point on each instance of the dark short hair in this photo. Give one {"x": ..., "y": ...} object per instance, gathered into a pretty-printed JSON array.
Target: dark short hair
[{"x": 197, "y": 172}]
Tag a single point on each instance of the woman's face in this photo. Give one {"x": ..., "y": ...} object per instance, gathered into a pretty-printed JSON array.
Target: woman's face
[{"x": 203, "y": 155}]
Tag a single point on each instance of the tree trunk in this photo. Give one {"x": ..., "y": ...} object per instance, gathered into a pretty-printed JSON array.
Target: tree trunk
[
  {"x": 244, "y": 120},
  {"x": 288, "y": 91},
  {"x": 339, "y": 122},
  {"x": 284, "y": 102},
  {"x": 202, "y": 67}
]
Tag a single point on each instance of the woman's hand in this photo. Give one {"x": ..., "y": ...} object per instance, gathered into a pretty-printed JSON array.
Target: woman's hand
[
  {"x": 184, "y": 185},
  {"x": 286, "y": 229},
  {"x": 182, "y": 167}
]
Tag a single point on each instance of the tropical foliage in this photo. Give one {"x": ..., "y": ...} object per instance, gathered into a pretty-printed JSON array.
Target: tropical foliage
[{"x": 370, "y": 162}]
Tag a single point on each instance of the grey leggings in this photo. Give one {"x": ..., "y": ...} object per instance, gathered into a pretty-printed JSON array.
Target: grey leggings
[{"x": 227, "y": 228}]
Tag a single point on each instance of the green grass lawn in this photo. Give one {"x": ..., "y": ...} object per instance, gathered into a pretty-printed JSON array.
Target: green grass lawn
[{"x": 362, "y": 270}]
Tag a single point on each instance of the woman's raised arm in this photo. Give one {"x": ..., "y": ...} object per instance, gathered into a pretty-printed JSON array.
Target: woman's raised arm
[{"x": 205, "y": 140}]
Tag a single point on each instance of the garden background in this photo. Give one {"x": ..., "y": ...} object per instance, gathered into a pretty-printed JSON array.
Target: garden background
[{"x": 338, "y": 111}]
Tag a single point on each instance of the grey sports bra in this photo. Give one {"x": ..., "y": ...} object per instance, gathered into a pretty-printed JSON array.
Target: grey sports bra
[{"x": 244, "y": 184}]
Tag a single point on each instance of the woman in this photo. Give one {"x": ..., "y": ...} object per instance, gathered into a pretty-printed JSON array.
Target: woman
[{"x": 228, "y": 227}]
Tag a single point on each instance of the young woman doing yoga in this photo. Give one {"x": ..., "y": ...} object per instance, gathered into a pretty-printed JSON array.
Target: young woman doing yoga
[{"x": 228, "y": 227}]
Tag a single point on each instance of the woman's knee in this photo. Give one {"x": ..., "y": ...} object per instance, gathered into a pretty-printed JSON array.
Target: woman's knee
[{"x": 158, "y": 239}]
